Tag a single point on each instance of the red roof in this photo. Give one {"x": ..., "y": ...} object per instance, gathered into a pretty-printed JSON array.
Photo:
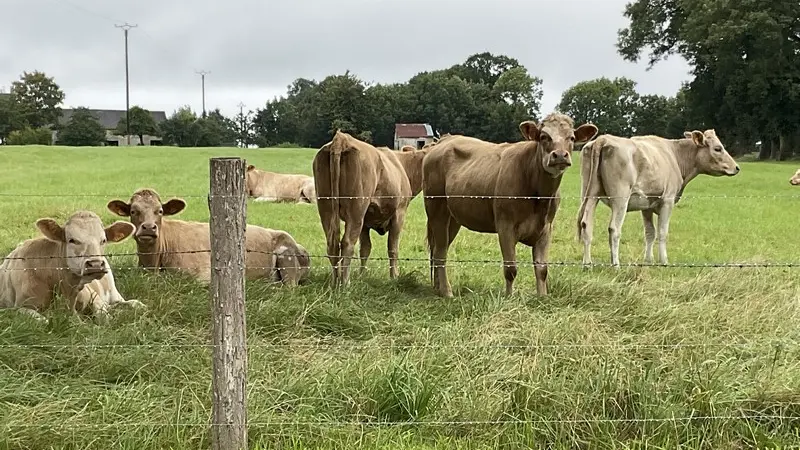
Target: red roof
[{"x": 411, "y": 130}]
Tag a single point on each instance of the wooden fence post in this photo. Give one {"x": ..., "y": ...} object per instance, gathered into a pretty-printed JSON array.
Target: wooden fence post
[{"x": 227, "y": 205}]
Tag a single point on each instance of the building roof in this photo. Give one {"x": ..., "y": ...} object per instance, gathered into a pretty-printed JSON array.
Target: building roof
[
  {"x": 109, "y": 118},
  {"x": 412, "y": 130}
]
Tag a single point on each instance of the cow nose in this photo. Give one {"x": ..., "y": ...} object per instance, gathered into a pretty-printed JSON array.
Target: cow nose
[
  {"x": 149, "y": 227},
  {"x": 95, "y": 265},
  {"x": 563, "y": 157},
  {"x": 737, "y": 169}
]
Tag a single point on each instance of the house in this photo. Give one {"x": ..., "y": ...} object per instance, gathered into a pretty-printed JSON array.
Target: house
[
  {"x": 109, "y": 118},
  {"x": 413, "y": 134}
]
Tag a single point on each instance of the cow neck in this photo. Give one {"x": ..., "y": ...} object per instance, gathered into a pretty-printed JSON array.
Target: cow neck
[
  {"x": 541, "y": 182},
  {"x": 68, "y": 283},
  {"x": 412, "y": 164},
  {"x": 685, "y": 152}
]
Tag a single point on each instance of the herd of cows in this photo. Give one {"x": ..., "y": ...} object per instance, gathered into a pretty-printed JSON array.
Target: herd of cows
[{"x": 508, "y": 189}]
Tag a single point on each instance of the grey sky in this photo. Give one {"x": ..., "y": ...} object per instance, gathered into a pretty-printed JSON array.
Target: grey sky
[{"x": 255, "y": 48}]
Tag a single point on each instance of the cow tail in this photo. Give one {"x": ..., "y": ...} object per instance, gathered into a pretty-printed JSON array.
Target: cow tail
[
  {"x": 590, "y": 160},
  {"x": 338, "y": 146},
  {"x": 429, "y": 247}
]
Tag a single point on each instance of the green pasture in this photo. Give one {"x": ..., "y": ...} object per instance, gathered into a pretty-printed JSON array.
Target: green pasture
[{"x": 641, "y": 357}]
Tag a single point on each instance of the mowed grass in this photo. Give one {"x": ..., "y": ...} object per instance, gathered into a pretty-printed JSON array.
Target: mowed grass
[{"x": 640, "y": 357}]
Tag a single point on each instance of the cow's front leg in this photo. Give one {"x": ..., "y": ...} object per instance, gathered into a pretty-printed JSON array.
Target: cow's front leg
[
  {"x": 508, "y": 247},
  {"x": 663, "y": 229},
  {"x": 393, "y": 241},
  {"x": 649, "y": 235},
  {"x": 364, "y": 248},
  {"x": 539, "y": 254}
]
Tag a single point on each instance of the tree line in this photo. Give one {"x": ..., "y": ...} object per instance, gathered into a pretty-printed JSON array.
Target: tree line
[{"x": 745, "y": 59}]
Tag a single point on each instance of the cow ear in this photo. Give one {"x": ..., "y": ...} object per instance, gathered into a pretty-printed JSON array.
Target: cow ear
[
  {"x": 173, "y": 206},
  {"x": 585, "y": 132},
  {"x": 51, "y": 230},
  {"x": 250, "y": 167},
  {"x": 529, "y": 130},
  {"x": 119, "y": 208},
  {"x": 119, "y": 230},
  {"x": 687, "y": 134},
  {"x": 698, "y": 138}
]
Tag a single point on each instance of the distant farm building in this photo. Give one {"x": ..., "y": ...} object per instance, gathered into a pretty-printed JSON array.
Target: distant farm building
[
  {"x": 109, "y": 118},
  {"x": 413, "y": 134}
]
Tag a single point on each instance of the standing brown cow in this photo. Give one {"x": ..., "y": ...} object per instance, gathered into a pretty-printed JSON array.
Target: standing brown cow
[
  {"x": 461, "y": 166},
  {"x": 375, "y": 186}
]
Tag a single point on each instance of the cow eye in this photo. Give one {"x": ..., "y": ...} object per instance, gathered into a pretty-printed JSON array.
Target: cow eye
[
  {"x": 72, "y": 241},
  {"x": 160, "y": 211},
  {"x": 103, "y": 242},
  {"x": 717, "y": 149}
]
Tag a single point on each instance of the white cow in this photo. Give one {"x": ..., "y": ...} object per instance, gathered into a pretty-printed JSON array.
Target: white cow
[
  {"x": 647, "y": 174},
  {"x": 266, "y": 186},
  {"x": 68, "y": 260}
]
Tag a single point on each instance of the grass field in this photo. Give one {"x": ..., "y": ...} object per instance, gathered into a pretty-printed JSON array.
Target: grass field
[{"x": 610, "y": 359}]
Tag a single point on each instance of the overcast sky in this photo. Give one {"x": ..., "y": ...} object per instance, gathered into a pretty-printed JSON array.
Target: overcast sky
[{"x": 255, "y": 48}]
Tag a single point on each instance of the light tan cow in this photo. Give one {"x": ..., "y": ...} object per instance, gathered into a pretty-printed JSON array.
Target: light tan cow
[
  {"x": 185, "y": 246},
  {"x": 266, "y": 186},
  {"x": 795, "y": 180},
  {"x": 383, "y": 183},
  {"x": 69, "y": 261},
  {"x": 460, "y": 167},
  {"x": 647, "y": 174},
  {"x": 408, "y": 148}
]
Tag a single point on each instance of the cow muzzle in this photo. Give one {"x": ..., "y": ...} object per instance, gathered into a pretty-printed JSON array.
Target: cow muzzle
[
  {"x": 560, "y": 160},
  {"x": 94, "y": 268},
  {"x": 147, "y": 232}
]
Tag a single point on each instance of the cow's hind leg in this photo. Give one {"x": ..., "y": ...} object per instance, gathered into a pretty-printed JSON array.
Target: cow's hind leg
[
  {"x": 618, "y": 202},
  {"x": 393, "y": 241},
  {"x": 649, "y": 235},
  {"x": 353, "y": 225},
  {"x": 442, "y": 230},
  {"x": 364, "y": 249}
]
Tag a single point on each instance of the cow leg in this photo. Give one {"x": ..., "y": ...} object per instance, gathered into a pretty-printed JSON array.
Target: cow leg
[
  {"x": 619, "y": 207},
  {"x": 393, "y": 241},
  {"x": 539, "y": 253},
  {"x": 587, "y": 229},
  {"x": 649, "y": 235},
  {"x": 663, "y": 229},
  {"x": 508, "y": 247},
  {"x": 32, "y": 313},
  {"x": 331, "y": 227},
  {"x": 364, "y": 248},
  {"x": 352, "y": 230}
]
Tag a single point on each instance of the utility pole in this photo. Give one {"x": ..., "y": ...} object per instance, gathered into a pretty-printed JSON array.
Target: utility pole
[
  {"x": 242, "y": 125},
  {"x": 125, "y": 27},
  {"x": 203, "y": 74}
]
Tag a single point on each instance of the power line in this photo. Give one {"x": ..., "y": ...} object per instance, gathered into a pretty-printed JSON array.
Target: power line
[
  {"x": 203, "y": 74},
  {"x": 125, "y": 27}
]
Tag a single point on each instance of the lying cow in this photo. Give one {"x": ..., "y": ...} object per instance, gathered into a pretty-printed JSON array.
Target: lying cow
[
  {"x": 647, "y": 174},
  {"x": 163, "y": 243},
  {"x": 461, "y": 167},
  {"x": 279, "y": 187},
  {"x": 795, "y": 180},
  {"x": 376, "y": 186},
  {"x": 68, "y": 260},
  {"x": 408, "y": 148}
]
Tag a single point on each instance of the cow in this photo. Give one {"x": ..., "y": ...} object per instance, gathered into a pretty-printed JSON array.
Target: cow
[
  {"x": 375, "y": 186},
  {"x": 647, "y": 174},
  {"x": 163, "y": 243},
  {"x": 68, "y": 260},
  {"x": 408, "y": 148},
  {"x": 468, "y": 182},
  {"x": 266, "y": 186},
  {"x": 795, "y": 180}
]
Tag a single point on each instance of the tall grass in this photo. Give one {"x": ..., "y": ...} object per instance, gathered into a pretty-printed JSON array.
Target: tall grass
[{"x": 630, "y": 358}]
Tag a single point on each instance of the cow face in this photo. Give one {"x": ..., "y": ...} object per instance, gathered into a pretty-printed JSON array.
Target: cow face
[
  {"x": 795, "y": 180},
  {"x": 712, "y": 158},
  {"x": 84, "y": 240},
  {"x": 251, "y": 181},
  {"x": 145, "y": 211},
  {"x": 556, "y": 138}
]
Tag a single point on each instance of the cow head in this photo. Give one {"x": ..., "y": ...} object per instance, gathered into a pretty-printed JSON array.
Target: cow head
[
  {"x": 795, "y": 180},
  {"x": 145, "y": 211},
  {"x": 251, "y": 180},
  {"x": 712, "y": 158},
  {"x": 556, "y": 137},
  {"x": 84, "y": 239}
]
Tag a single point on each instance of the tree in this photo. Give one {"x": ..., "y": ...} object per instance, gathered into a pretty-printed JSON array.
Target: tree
[
  {"x": 10, "y": 118},
  {"x": 652, "y": 115},
  {"x": 142, "y": 122},
  {"x": 242, "y": 128},
  {"x": 180, "y": 128},
  {"x": 82, "y": 129},
  {"x": 37, "y": 98},
  {"x": 744, "y": 55},
  {"x": 215, "y": 130},
  {"x": 607, "y": 103},
  {"x": 30, "y": 136}
]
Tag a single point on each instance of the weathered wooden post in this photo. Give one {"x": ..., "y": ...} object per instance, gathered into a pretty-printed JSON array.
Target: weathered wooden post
[{"x": 227, "y": 205}]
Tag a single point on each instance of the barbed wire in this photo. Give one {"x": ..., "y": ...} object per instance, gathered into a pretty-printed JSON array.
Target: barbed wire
[
  {"x": 377, "y": 423},
  {"x": 421, "y": 195},
  {"x": 779, "y": 345}
]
